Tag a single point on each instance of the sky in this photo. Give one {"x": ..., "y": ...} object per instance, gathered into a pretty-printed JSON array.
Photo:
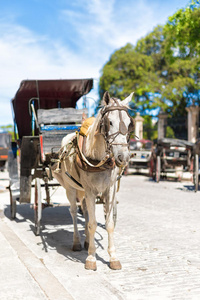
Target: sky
[{"x": 69, "y": 39}]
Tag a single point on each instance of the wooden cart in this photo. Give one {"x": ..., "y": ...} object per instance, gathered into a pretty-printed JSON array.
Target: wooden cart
[
  {"x": 44, "y": 112},
  {"x": 196, "y": 155},
  {"x": 170, "y": 154}
]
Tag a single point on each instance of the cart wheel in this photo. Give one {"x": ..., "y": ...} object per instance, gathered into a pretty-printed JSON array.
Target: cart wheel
[
  {"x": 151, "y": 169},
  {"x": 37, "y": 206},
  {"x": 158, "y": 169},
  {"x": 196, "y": 172},
  {"x": 47, "y": 193},
  {"x": 13, "y": 206}
]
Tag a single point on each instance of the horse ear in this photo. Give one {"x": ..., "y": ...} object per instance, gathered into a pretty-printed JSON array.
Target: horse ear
[
  {"x": 106, "y": 98},
  {"x": 127, "y": 100}
]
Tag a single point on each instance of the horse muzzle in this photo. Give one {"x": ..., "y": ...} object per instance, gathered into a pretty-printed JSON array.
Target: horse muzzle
[{"x": 122, "y": 160}]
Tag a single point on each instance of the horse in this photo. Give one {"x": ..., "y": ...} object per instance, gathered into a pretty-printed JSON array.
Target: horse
[{"x": 94, "y": 171}]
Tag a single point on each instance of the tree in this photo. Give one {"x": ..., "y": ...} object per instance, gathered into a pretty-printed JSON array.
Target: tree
[
  {"x": 162, "y": 69},
  {"x": 9, "y": 129},
  {"x": 182, "y": 32}
]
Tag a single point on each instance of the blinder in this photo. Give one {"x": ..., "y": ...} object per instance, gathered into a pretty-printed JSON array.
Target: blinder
[
  {"x": 122, "y": 128},
  {"x": 131, "y": 126},
  {"x": 105, "y": 124}
]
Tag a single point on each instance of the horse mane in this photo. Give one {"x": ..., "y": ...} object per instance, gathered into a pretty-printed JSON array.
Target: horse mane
[{"x": 95, "y": 144}]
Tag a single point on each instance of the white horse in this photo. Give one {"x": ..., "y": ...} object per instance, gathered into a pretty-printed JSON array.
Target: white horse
[{"x": 94, "y": 172}]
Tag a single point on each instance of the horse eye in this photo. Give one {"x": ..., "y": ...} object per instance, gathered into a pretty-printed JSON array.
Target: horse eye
[{"x": 111, "y": 123}]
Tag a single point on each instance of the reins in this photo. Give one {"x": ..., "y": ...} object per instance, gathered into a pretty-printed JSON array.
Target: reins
[
  {"x": 101, "y": 163},
  {"x": 65, "y": 151},
  {"x": 122, "y": 127},
  {"x": 122, "y": 130}
]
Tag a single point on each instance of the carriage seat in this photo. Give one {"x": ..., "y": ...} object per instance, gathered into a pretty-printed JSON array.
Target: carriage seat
[{"x": 56, "y": 123}]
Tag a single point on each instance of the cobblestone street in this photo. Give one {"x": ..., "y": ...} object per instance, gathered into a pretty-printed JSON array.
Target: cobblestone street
[{"x": 157, "y": 239}]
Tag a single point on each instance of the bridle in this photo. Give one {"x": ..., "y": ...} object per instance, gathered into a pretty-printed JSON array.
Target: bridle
[{"x": 105, "y": 124}]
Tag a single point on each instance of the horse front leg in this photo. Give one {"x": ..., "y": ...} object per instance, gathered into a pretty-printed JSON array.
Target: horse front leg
[
  {"x": 110, "y": 225},
  {"x": 71, "y": 195},
  {"x": 90, "y": 262}
]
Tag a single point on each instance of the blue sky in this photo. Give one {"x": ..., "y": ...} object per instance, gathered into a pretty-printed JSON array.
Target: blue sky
[{"x": 53, "y": 39}]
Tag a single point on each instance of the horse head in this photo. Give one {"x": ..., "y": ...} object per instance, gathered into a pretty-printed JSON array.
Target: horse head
[{"x": 116, "y": 126}]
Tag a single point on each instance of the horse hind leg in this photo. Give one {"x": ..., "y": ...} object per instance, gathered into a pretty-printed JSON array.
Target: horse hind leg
[
  {"x": 85, "y": 213},
  {"x": 71, "y": 195}
]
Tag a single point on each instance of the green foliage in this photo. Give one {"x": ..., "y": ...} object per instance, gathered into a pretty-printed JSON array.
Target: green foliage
[
  {"x": 125, "y": 72},
  {"x": 150, "y": 130},
  {"x": 162, "y": 69},
  {"x": 170, "y": 132},
  {"x": 182, "y": 31},
  {"x": 9, "y": 129}
]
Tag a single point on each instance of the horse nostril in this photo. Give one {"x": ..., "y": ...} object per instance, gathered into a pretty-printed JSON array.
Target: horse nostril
[{"x": 120, "y": 158}]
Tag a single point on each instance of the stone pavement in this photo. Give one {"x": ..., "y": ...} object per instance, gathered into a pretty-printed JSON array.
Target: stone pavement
[{"x": 157, "y": 240}]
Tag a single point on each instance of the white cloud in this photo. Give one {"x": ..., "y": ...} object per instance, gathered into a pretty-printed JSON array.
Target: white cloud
[
  {"x": 103, "y": 26},
  {"x": 89, "y": 32},
  {"x": 23, "y": 55}
]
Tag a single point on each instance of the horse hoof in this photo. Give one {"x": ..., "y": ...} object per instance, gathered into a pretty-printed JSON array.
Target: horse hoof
[
  {"x": 77, "y": 247},
  {"x": 86, "y": 245},
  {"x": 90, "y": 265},
  {"x": 115, "y": 265}
]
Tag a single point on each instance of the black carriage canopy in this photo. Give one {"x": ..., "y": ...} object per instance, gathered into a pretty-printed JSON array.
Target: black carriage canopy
[{"x": 46, "y": 94}]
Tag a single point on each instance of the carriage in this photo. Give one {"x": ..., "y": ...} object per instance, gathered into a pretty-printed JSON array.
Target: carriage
[
  {"x": 171, "y": 156},
  {"x": 196, "y": 155},
  {"x": 85, "y": 165},
  {"x": 44, "y": 112}
]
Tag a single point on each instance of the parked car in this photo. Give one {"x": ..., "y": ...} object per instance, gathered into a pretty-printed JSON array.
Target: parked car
[{"x": 140, "y": 151}]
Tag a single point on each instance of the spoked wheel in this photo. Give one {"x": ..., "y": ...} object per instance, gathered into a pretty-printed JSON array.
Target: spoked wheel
[
  {"x": 158, "y": 169},
  {"x": 196, "y": 172},
  {"x": 13, "y": 205},
  {"x": 47, "y": 190},
  {"x": 37, "y": 206},
  {"x": 152, "y": 168}
]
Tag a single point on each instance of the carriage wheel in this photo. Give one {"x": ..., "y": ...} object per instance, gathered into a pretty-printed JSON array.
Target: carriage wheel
[
  {"x": 47, "y": 190},
  {"x": 37, "y": 206},
  {"x": 13, "y": 206},
  {"x": 152, "y": 168},
  {"x": 196, "y": 172},
  {"x": 158, "y": 169}
]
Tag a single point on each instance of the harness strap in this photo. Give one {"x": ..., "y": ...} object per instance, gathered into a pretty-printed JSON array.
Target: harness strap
[
  {"x": 110, "y": 108},
  {"x": 74, "y": 180},
  {"x": 102, "y": 162}
]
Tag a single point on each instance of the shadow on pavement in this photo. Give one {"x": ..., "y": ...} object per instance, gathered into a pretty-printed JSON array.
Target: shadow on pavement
[
  {"x": 188, "y": 188},
  {"x": 57, "y": 230}
]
